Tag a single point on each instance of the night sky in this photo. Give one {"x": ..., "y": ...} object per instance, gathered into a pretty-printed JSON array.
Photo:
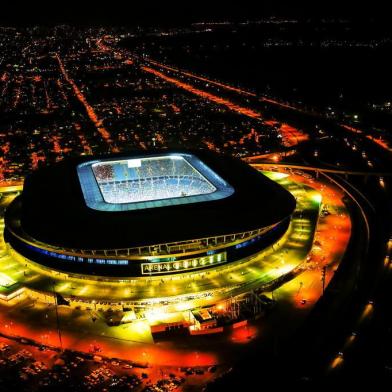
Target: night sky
[{"x": 130, "y": 12}]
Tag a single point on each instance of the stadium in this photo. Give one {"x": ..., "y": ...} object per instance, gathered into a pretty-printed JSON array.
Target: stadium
[
  {"x": 152, "y": 214},
  {"x": 179, "y": 229}
]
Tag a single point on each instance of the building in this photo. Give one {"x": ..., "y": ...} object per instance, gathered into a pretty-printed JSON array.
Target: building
[{"x": 135, "y": 218}]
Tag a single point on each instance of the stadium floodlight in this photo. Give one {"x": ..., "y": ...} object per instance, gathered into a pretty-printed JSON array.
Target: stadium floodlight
[{"x": 134, "y": 163}]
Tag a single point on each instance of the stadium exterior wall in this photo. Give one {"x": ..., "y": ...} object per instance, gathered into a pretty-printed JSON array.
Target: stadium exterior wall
[{"x": 121, "y": 268}]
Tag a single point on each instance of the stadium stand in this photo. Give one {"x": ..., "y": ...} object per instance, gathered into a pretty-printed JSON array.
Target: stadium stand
[{"x": 137, "y": 180}]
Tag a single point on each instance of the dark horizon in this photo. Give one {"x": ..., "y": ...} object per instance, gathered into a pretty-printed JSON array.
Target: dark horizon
[{"x": 179, "y": 13}]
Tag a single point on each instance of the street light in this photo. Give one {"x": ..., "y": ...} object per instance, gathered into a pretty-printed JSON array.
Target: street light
[{"x": 323, "y": 273}]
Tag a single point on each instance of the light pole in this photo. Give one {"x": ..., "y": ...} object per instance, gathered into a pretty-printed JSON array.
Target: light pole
[
  {"x": 323, "y": 273},
  {"x": 57, "y": 316},
  {"x": 300, "y": 287}
]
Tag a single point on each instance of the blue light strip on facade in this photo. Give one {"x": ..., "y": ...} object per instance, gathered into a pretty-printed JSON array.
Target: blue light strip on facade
[
  {"x": 248, "y": 242},
  {"x": 78, "y": 258}
]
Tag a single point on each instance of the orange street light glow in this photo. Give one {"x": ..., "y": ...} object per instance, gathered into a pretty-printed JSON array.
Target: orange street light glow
[{"x": 211, "y": 97}]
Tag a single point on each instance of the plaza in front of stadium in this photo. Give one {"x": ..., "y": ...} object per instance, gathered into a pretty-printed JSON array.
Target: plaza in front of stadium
[{"x": 175, "y": 242}]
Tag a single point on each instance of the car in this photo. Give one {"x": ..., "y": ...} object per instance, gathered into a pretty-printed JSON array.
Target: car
[{"x": 127, "y": 366}]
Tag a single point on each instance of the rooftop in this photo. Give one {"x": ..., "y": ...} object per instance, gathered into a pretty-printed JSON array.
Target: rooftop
[{"x": 53, "y": 207}]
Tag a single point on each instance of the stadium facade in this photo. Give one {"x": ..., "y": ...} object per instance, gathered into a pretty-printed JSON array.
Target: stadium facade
[
  {"x": 127, "y": 216},
  {"x": 158, "y": 236}
]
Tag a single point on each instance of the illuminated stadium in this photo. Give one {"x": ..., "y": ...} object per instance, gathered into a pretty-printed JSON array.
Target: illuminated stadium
[
  {"x": 138, "y": 229},
  {"x": 138, "y": 183}
]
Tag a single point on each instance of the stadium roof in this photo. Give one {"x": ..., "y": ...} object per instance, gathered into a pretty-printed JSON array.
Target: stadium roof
[{"x": 53, "y": 208}]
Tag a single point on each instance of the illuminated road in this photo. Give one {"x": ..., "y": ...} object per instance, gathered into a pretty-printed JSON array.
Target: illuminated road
[
  {"x": 89, "y": 109},
  {"x": 279, "y": 164},
  {"x": 379, "y": 140},
  {"x": 291, "y": 136},
  {"x": 211, "y": 97},
  {"x": 330, "y": 242}
]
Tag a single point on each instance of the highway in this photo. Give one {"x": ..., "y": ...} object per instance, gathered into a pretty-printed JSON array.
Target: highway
[{"x": 318, "y": 169}]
